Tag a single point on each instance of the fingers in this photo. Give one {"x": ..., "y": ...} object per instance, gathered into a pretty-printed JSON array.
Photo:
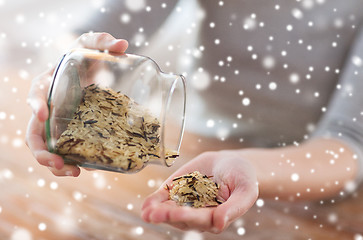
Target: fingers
[
  {"x": 236, "y": 205},
  {"x": 182, "y": 217},
  {"x": 102, "y": 41},
  {"x": 37, "y": 98},
  {"x": 158, "y": 209},
  {"x": 37, "y": 146},
  {"x": 66, "y": 170},
  {"x": 194, "y": 218},
  {"x": 213, "y": 219}
]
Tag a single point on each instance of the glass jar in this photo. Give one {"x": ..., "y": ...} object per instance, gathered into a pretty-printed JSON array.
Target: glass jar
[{"x": 115, "y": 112}]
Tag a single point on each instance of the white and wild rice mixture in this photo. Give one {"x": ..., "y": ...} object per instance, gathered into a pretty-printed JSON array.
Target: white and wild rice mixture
[
  {"x": 194, "y": 190},
  {"x": 111, "y": 129}
]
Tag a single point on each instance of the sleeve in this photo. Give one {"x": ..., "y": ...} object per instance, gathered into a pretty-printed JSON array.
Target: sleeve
[
  {"x": 344, "y": 116},
  {"x": 135, "y": 21}
]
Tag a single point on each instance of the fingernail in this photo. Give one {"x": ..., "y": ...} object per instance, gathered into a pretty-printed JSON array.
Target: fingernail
[
  {"x": 69, "y": 173},
  {"x": 51, "y": 164}
]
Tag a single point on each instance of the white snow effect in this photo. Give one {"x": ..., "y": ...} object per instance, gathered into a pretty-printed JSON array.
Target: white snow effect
[
  {"x": 125, "y": 18},
  {"x": 338, "y": 23},
  {"x": 137, "y": 231},
  {"x": 272, "y": 86},
  {"x": 151, "y": 183},
  {"x": 20, "y": 18},
  {"x": 249, "y": 23},
  {"x": 268, "y": 62},
  {"x": 66, "y": 222},
  {"x": 192, "y": 235},
  {"x": 350, "y": 186},
  {"x": 357, "y": 61},
  {"x": 246, "y": 101},
  {"x": 295, "y": 177},
  {"x": 223, "y": 133},
  {"x": 294, "y": 78},
  {"x": 23, "y": 74},
  {"x": 104, "y": 78},
  {"x": 130, "y": 206},
  {"x": 307, "y": 4},
  {"x": 201, "y": 80},
  {"x": 260, "y": 202},
  {"x": 138, "y": 39},
  {"x": 241, "y": 231},
  {"x": 99, "y": 180},
  {"x": 297, "y": 13},
  {"x": 41, "y": 182},
  {"x": 17, "y": 142},
  {"x": 135, "y": 5},
  {"x": 78, "y": 196},
  {"x": 332, "y": 217},
  {"x": 53, "y": 185},
  {"x": 2, "y": 115},
  {"x": 21, "y": 234},
  {"x": 310, "y": 127},
  {"x": 4, "y": 139},
  {"x": 6, "y": 174},
  {"x": 238, "y": 223},
  {"x": 210, "y": 123},
  {"x": 42, "y": 226}
]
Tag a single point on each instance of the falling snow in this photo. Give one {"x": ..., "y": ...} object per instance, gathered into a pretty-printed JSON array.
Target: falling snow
[
  {"x": 42, "y": 226},
  {"x": 250, "y": 69},
  {"x": 260, "y": 202},
  {"x": 21, "y": 234},
  {"x": 192, "y": 235},
  {"x": 295, "y": 177},
  {"x": 137, "y": 231}
]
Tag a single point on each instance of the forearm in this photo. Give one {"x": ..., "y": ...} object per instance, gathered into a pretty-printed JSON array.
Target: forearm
[{"x": 317, "y": 169}]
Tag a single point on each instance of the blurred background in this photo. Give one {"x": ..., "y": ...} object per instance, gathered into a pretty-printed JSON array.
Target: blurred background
[{"x": 34, "y": 204}]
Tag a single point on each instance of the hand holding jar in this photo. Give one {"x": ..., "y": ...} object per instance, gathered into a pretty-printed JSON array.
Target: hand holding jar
[{"x": 35, "y": 137}]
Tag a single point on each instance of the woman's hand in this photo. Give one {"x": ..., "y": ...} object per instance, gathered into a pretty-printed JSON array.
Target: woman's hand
[
  {"x": 238, "y": 189},
  {"x": 35, "y": 136}
]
